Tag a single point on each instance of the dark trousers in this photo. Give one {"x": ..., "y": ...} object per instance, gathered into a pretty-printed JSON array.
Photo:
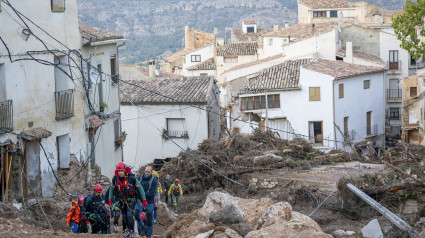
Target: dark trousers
[
  {"x": 128, "y": 215},
  {"x": 99, "y": 224},
  {"x": 166, "y": 198},
  {"x": 116, "y": 213}
]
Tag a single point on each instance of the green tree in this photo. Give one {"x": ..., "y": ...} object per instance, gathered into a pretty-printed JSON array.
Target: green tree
[{"x": 409, "y": 27}]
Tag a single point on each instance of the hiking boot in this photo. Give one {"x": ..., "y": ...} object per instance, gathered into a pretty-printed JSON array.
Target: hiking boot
[
  {"x": 126, "y": 233},
  {"x": 116, "y": 229},
  {"x": 131, "y": 234},
  {"x": 142, "y": 232}
]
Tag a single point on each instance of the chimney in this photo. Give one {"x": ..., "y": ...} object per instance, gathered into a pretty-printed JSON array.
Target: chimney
[
  {"x": 151, "y": 68},
  {"x": 286, "y": 23},
  {"x": 349, "y": 53},
  {"x": 220, "y": 41},
  {"x": 215, "y": 31},
  {"x": 276, "y": 26}
]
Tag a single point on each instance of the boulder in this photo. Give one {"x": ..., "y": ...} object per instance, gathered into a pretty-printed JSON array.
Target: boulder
[
  {"x": 232, "y": 233},
  {"x": 264, "y": 160},
  {"x": 205, "y": 234},
  {"x": 275, "y": 214},
  {"x": 313, "y": 234},
  {"x": 280, "y": 230},
  {"x": 253, "y": 209},
  {"x": 221, "y": 208}
]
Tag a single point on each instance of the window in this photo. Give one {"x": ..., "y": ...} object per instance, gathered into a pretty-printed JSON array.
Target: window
[
  {"x": 368, "y": 123},
  {"x": 412, "y": 61},
  {"x": 333, "y": 13},
  {"x": 393, "y": 63},
  {"x": 195, "y": 58},
  {"x": 64, "y": 151},
  {"x": 394, "y": 113},
  {"x": 114, "y": 75},
  {"x": 250, "y": 29},
  {"x": 259, "y": 102},
  {"x": 2, "y": 84},
  {"x": 57, "y": 5},
  {"x": 319, "y": 14},
  {"x": 346, "y": 137},
  {"x": 61, "y": 79},
  {"x": 366, "y": 84},
  {"x": 230, "y": 59},
  {"x": 176, "y": 128},
  {"x": 341, "y": 90},
  {"x": 270, "y": 42},
  {"x": 314, "y": 93},
  {"x": 413, "y": 91},
  {"x": 100, "y": 87},
  {"x": 117, "y": 132}
]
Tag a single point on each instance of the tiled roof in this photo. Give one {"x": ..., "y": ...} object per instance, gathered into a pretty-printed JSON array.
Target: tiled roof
[
  {"x": 282, "y": 76},
  {"x": 179, "y": 54},
  {"x": 249, "y": 22},
  {"x": 257, "y": 62},
  {"x": 302, "y": 31},
  {"x": 242, "y": 48},
  {"x": 325, "y": 4},
  {"x": 94, "y": 34},
  {"x": 208, "y": 64},
  {"x": 341, "y": 70},
  {"x": 133, "y": 72},
  {"x": 366, "y": 57},
  {"x": 239, "y": 36},
  {"x": 166, "y": 90}
]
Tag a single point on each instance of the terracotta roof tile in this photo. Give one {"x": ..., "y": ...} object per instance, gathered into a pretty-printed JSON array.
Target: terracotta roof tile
[
  {"x": 325, "y": 4},
  {"x": 36, "y": 134},
  {"x": 166, "y": 90},
  {"x": 242, "y": 48},
  {"x": 133, "y": 72},
  {"x": 370, "y": 58},
  {"x": 282, "y": 76},
  {"x": 302, "y": 31},
  {"x": 239, "y": 36},
  {"x": 94, "y": 34},
  {"x": 208, "y": 64},
  {"x": 249, "y": 22},
  {"x": 340, "y": 69}
]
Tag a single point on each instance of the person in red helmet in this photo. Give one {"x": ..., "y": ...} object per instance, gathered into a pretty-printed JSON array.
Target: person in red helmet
[
  {"x": 96, "y": 211},
  {"x": 176, "y": 192},
  {"x": 74, "y": 217},
  {"x": 127, "y": 190}
]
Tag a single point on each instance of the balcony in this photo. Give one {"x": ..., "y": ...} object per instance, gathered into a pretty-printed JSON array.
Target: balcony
[
  {"x": 394, "y": 67},
  {"x": 6, "y": 116},
  {"x": 64, "y": 104},
  {"x": 394, "y": 95}
]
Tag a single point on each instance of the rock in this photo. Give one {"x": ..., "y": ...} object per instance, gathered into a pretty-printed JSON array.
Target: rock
[
  {"x": 232, "y": 233},
  {"x": 410, "y": 207},
  {"x": 300, "y": 222},
  {"x": 267, "y": 159},
  {"x": 287, "y": 151},
  {"x": 237, "y": 157},
  {"x": 342, "y": 233},
  {"x": 205, "y": 234},
  {"x": 253, "y": 209},
  {"x": 219, "y": 235},
  {"x": 275, "y": 230},
  {"x": 242, "y": 228},
  {"x": 221, "y": 208},
  {"x": 372, "y": 230},
  {"x": 275, "y": 214},
  {"x": 226, "y": 215},
  {"x": 313, "y": 234}
]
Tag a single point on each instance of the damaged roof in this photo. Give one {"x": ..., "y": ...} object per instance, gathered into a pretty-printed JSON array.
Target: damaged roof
[
  {"x": 36, "y": 134},
  {"x": 302, "y": 31},
  {"x": 282, "y": 76},
  {"x": 95, "y": 34},
  {"x": 340, "y": 70},
  {"x": 237, "y": 48},
  {"x": 325, "y": 4},
  {"x": 166, "y": 90},
  {"x": 208, "y": 64}
]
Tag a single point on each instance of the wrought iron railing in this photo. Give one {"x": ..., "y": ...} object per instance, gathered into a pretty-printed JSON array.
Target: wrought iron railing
[
  {"x": 178, "y": 134},
  {"x": 64, "y": 104},
  {"x": 6, "y": 116}
]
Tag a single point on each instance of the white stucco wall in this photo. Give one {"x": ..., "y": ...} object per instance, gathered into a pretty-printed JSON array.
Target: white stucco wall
[
  {"x": 31, "y": 85},
  {"x": 144, "y": 142},
  {"x": 222, "y": 67},
  {"x": 205, "y": 53},
  {"x": 192, "y": 73}
]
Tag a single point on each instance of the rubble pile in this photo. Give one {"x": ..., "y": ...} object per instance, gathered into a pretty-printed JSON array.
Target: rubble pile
[{"x": 224, "y": 216}]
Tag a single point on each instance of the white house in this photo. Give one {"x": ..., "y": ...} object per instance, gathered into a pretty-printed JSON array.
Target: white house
[
  {"x": 201, "y": 61},
  {"x": 184, "y": 109},
  {"x": 305, "y": 98},
  {"x": 38, "y": 100},
  {"x": 100, "y": 51}
]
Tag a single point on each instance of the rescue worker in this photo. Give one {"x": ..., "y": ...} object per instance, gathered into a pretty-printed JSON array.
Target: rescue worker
[
  {"x": 96, "y": 211},
  {"x": 126, "y": 189},
  {"x": 115, "y": 212},
  {"x": 167, "y": 184},
  {"x": 75, "y": 219},
  {"x": 157, "y": 198},
  {"x": 176, "y": 192},
  {"x": 149, "y": 183}
]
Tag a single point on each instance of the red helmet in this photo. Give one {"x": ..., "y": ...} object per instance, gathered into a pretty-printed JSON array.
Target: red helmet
[
  {"x": 80, "y": 199},
  {"x": 121, "y": 166},
  {"x": 97, "y": 188},
  {"x": 177, "y": 181}
]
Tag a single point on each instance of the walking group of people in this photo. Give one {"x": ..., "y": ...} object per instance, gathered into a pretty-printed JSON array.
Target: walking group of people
[{"x": 136, "y": 199}]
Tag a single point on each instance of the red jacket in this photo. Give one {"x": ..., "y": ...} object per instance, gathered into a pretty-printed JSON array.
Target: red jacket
[{"x": 74, "y": 213}]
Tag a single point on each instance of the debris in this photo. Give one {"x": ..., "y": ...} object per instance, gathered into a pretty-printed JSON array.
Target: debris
[
  {"x": 18, "y": 206},
  {"x": 372, "y": 230}
]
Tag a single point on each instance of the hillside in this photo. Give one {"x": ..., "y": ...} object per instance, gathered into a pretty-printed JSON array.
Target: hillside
[{"x": 155, "y": 27}]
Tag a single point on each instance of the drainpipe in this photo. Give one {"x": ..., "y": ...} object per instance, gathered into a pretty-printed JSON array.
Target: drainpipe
[
  {"x": 119, "y": 101},
  {"x": 333, "y": 108}
]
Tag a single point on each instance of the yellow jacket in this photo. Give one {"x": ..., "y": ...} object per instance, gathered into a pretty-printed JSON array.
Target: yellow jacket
[
  {"x": 159, "y": 183},
  {"x": 178, "y": 189}
]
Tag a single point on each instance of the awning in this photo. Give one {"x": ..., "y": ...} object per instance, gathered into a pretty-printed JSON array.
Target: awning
[{"x": 36, "y": 134}]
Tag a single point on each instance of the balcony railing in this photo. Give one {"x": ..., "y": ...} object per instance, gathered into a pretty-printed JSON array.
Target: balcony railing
[
  {"x": 394, "y": 93},
  {"x": 178, "y": 134},
  {"x": 6, "y": 116},
  {"x": 64, "y": 104}
]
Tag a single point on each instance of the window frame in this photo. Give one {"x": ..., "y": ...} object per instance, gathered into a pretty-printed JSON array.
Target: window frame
[
  {"x": 415, "y": 90},
  {"x": 252, "y": 100},
  {"x": 366, "y": 84},
  {"x": 393, "y": 59},
  {"x": 394, "y": 113},
  {"x": 335, "y": 14},
  {"x": 271, "y": 42},
  {"x": 57, "y": 9},
  {"x": 249, "y": 28},
  {"x": 319, "y": 14},
  {"x": 316, "y": 97},
  {"x": 341, "y": 90},
  {"x": 195, "y": 58},
  {"x": 230, "y": 59},
  {"x": 186, "y": 132}
]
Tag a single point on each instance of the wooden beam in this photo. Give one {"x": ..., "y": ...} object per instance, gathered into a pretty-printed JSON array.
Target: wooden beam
[
  {"x": 2, "y": 174},
  {"x": 6, "y": 166},
  {"x": 7, "y": 177}
]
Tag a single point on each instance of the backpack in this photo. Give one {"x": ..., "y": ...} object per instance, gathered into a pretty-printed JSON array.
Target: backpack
[{"x": 176, "y": 190}]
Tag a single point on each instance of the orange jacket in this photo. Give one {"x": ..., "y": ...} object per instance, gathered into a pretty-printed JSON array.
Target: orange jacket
[{"x": 74, "y": 213}]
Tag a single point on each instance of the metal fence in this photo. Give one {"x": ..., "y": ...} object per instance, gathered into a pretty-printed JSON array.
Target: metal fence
[
  {"x": 6, "y": 116},
  {"x": 64, "y": 104}
]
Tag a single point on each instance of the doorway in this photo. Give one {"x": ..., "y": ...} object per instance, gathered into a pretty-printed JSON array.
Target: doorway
[
  {"x": 32, "y": 157},
  {"x": 316, "y": 132}
]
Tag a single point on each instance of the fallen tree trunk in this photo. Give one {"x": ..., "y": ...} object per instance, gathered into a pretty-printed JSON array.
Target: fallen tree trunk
[
  {"x": 389, "y": 188},
  {"x": 397, "y": 169}
]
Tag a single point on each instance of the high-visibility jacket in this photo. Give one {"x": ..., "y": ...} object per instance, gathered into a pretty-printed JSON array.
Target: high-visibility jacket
[
  {"x": 175, "y": 190},
  {"x": 157, "y": 177},
  {"x": 74, "y": 213}
]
